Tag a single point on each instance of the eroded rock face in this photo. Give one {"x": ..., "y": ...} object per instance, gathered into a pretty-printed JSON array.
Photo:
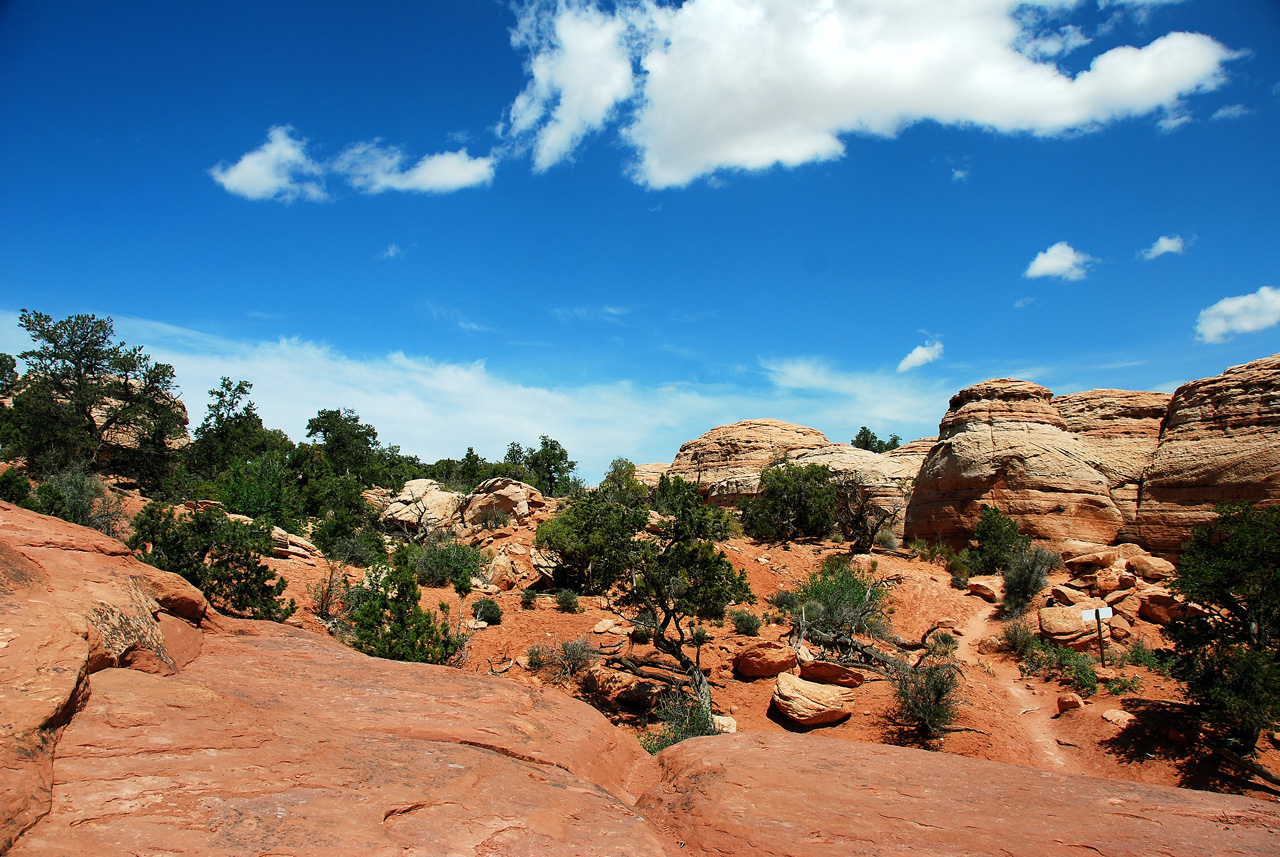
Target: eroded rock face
[
  {"x": 726, "y": 461},
  {"x": 763, "y": 794},
  {"x": 887, "y": 476},
  {"x": 510, "y": 497},
  {"x": 1221, "y": 441},
  {"x": 1120, "y": 430},
  {"x": 810, "y": 703},
  {"x": 1003, "y": 443},
  {"x": 421, "y": 503}
]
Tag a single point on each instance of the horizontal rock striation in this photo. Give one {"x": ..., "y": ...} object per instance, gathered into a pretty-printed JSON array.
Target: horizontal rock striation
[
  {"x": 1003, "y": 443},
  {"x": 726, "y": 462},
  {"x": 1220, "y": 442}
]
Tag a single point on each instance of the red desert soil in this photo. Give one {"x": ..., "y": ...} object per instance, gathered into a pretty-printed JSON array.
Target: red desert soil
[{"x": 1017, "y": 716}]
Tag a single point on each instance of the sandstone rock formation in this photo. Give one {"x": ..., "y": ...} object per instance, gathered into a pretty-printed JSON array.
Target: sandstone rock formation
[
  {"x": 1120, "y": 430},
  {"x": 810, "y": 703},
  {"x": 1220, "y": 441},
  {"x": 806, "y": 794},
  {"x": 764, "y": 659},
  {"x": 421, "y": 503},
  {"x": 726, "y": 461},
  {"x": 888, "y": 476},
  {"x": 509, "y": 497},
  {"x": 1003, "y": 443}
]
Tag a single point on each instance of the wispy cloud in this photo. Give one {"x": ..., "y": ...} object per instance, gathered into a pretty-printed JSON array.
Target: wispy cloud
[
  {"x": 1021, "y": 303},
  {"x": 279, "y": 169},
  {"x": 612, "y": 314},
  {"x": 373, "y": 168},
  {"x": 920, "y": 355},
  {"x": 959, "y": 175},
  {"x": 1230, "y": 111},
  {"x": 393, "y": 251},
  {"x": 1164, "y": 244},
  {"x": 1240, "y": 314},
  {"x": 1062, "y": 261}
]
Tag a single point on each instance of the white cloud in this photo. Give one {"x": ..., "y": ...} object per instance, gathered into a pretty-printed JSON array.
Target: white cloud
[
  {"x": 749, "y": 84},
  {"x": 959, "y": 175},
  {"x": 1164, "y": 244},
  {"x": 393, "y": 251},
  {"x": 1061, "y": 260},
  {"x": 278, "y": 169},
  {"x": 1022, "y": 303},
  {"x": 921, "y": 355},
  {"x": 1241, "y": 314},
  {"x": 372, "y": 168},
  {"x": 1230, "y": 111},
  {"x": 579, "y": 70}
]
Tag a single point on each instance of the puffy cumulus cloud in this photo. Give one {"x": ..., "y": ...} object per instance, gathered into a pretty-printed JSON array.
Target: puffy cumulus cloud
[
  {"x": 579, "y": 70},
  {"x": 921, "y": 355},
  {"x": 1164, "y": 244},
  {"x": 374, "y": 168},
  {"x": 749, "y": 84},
  {"x": 1061, "y": 260},
  {"x": 1241, "y": 314},
  {"x": 278, "y": 169}
]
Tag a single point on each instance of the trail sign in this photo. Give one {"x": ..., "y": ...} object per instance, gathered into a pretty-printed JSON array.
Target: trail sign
[{"x": 1098, "y": 614}]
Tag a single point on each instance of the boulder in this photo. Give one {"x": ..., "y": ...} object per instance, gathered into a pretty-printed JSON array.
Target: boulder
[
  {"x": 725, "y": 463},
  {"x": 826, "y": 672},
  {"x": 1066, "y": 595},
  {"x": 725, "y": 725},
  {"x": 503, "y": 573},
  {"x": 1220, "y": 441},
  {"x": 1118, "y": 716},
  {"x": 809, "y": 703},
  {"x": 987, "y": 588},
  {"x": 1002, "y": 443},
  {"x": 764, "y": 659},
  {"x": 1063, "y": 623},
  {"x": 624, "y": 689},
  {"x": 511, "y": 497},
  {"x": 1160, "y": 606},
  {"x": 1119, "y": 430},
  {"x": 1152, "y": 567},
  {"x": 420, "y": 504},
  {"x": 1069, "y": 701}
]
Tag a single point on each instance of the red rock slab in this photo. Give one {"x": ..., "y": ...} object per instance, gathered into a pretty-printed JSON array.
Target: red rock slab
[
  {"x": 167, "y": 765},
  {"x": 808, "y": 796},
  {"x": 276, "y": 667}
]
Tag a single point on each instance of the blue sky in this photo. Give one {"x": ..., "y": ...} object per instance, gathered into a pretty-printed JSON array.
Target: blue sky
[{"x": 622, "y": 224}]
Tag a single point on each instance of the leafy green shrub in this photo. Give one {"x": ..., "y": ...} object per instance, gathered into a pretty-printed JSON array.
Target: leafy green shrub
[
  {"x": 683, "y": 716},
  {"x": 15, "y": 488},
  {"x": 785, "y": 600},
  {"x": 794, "y": 502},
  {"x": 487, "y": 610},
  {"x": 1025, "y": 573},
  {"x": 538, "y": 656},
  {"x": 957, "y": 566},
  {"x": 444, "y": 559},
  {"x": 388, "y": 622},
  {"x": 567, "y": 601},
  {"x": 492, "y": 518},
  {"x": 942, "y": 644},
  {"x": 1020, "y": 636},
  {"x": 327, "y": 592},
  {"x": 745, "y": 622},
  {"x": 998, "y": 539},
  {"x": 528, "y": 597},
  {"x": 574, "y": 656},
  {"x": 592, "y": 539},
  {"x": 842, "y": 596},
  {"x": 221, "y": 557},
  {"x": 1075, "y": 668},
  {"x": 926, "y": 696},
  {"x": 1228, "y": 653},
  {"x": 76, "y": 495},
  {"x": 1121, "y": 685}
]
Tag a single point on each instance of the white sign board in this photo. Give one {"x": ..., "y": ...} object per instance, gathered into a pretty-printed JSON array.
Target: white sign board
[{"x": 1095, "y": 615}]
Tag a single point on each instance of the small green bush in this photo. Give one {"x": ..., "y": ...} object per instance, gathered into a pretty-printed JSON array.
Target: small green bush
[
  {"x": 1021, "y": 637},
  {"x": 444, "y": 559},
  {"x": 487, "y": 610},
  {"x": 528, "y": 598},
  {"x": 794, "y": 502},
  {"x": 76, "y": 495},
  {"x": 1075, "y": 668},
  {"x": 683, "y": 716},
  {"x": 843, "y": 596},
  {"x": 538, "y": 656},
  {"x": 745, "y": 622},
  {"x": 1156, "y": 660},
  {"x": 492, "y": 518},
  {"x": 14, "y": 487},
  {"x": 926, "y": 696},
  {"x": 1124, "y": 684},
  {"x": 784, "y": 600},
  {"x": 567, "y": 601},
  {"x": 887, "y": 540},
  {"x": 574, "y": 656},
  {"x": 1025, "y": 573},
  {"x": 998, "y": 539}
]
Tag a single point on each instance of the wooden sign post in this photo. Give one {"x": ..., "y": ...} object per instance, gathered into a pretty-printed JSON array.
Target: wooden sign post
[{"x": 1098, "y": 615}]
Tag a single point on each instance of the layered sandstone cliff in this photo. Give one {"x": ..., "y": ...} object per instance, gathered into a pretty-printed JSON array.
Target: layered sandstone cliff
[{"x": 726, "y": 461}]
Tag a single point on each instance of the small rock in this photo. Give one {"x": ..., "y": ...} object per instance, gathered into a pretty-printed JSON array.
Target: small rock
[
  {"x": 1151, "y": 568},
  {"x": 986, "y": 588},
  {"x": 1068, "y": 701},
  {"x": 724, "y": 725},
  {"x": 809, "y": 703},
  {"x": 991, "y": 645},
  {"x": 1119, "y": 717},
  {"x": 945, "y": 623},
  {"x": 604, "y": 626}
]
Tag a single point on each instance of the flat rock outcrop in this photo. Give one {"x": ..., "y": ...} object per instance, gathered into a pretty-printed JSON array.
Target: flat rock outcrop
[
  {"x": 1220, "y": 441},
  {"x": 1120, "y": 430},
  {"x": 726, "y": 461},
  {"x": 1003, "y": 443},
  {"x": 776, "y": 795}
]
